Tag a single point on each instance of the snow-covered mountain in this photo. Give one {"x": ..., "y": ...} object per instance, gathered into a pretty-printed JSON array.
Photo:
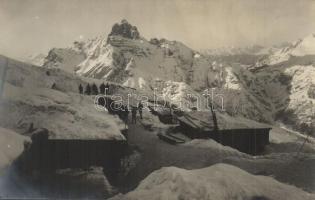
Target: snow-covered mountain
[
  {"x": 176, "y": 71},
  {"x": 287, "y": 77},
  {"x": 134, "y": 61},
  {"x": 247, "y": 55},
  {"x": 249, "y": 50},
  {"x": 300, "y": 48},
  {"x": 128, "y": 58}
]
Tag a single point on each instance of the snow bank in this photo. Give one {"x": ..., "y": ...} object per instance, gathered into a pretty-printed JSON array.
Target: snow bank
[
  {"x": 218, "y": 182},
  {"x": 209, "y": 144},
  {"x": 11, "y": 146},
  {"x": 65, "y": 115}
]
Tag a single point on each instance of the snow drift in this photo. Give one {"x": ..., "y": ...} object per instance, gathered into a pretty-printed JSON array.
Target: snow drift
[
  {"x": 218, "y": 182},
  {"x": 12, "y": 145}
]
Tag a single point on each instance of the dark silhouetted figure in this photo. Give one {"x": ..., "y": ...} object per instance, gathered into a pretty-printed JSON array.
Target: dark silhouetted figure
[
  {"x": 140, "y": 107},
  {"x": 54, "y": 86},
  {"x": 80, "y": 89},
  {"x": 94, "y": 89},
  {"x": 102, "y": 88},
  {"x": 126, "y": 113},
  {"x": 134, "y": 115},
  {"x": 88, "y": 89}
]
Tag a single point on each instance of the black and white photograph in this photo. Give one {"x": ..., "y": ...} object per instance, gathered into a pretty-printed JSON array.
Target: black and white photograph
[{"x": 157, "y": 99}]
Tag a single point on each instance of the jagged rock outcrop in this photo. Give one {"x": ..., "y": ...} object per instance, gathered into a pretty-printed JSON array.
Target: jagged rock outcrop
[{"x": 125, "y": 29}]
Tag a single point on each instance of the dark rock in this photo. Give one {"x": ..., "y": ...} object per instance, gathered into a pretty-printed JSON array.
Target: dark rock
[
  {"x": 125, "y": 29},
  {"x": 155, "y": 41}
]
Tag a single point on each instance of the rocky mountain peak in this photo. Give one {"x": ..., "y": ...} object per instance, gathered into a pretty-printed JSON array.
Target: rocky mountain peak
[{"x": 125, "y": 29}]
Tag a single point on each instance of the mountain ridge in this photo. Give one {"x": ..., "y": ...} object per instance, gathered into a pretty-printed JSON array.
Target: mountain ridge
[{"x": 251, "y": 88}]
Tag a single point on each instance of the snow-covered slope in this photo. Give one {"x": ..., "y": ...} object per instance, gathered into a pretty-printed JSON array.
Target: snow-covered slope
[
  {"x": 218, "y": 182},
  {"x": 36, "y": 59},
  {"x": 30, "y": 98}
]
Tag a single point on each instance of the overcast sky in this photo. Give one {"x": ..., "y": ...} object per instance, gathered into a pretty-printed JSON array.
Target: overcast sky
[{"x": 32, "y": 26}]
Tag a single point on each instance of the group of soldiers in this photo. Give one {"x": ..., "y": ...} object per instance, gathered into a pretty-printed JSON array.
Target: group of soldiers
[
  {"x": 124, "y": 113},
  {"x": 111, "y": 106},
  {"x": 134, "y": 112},
  {"x": 93, "y": 89}
]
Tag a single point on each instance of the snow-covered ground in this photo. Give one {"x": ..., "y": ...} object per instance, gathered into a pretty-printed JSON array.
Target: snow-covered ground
[
  {"x": 28, "y": 98},
  {"x": 211, "y": 144},
  {"x": 218, "y": 182}
]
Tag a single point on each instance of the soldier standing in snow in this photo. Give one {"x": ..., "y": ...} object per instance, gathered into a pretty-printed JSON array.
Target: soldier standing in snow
[
  {"x": 94, "y": 89},
  {"x": 80, "y": 89},
  {"x": 88, "y": 89},
  {"x": 140, "y": 107},
  {"x": 102, "y": 88},
  {"x": 126, "y": 113},
  {"x": 134, "y": 115}
]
